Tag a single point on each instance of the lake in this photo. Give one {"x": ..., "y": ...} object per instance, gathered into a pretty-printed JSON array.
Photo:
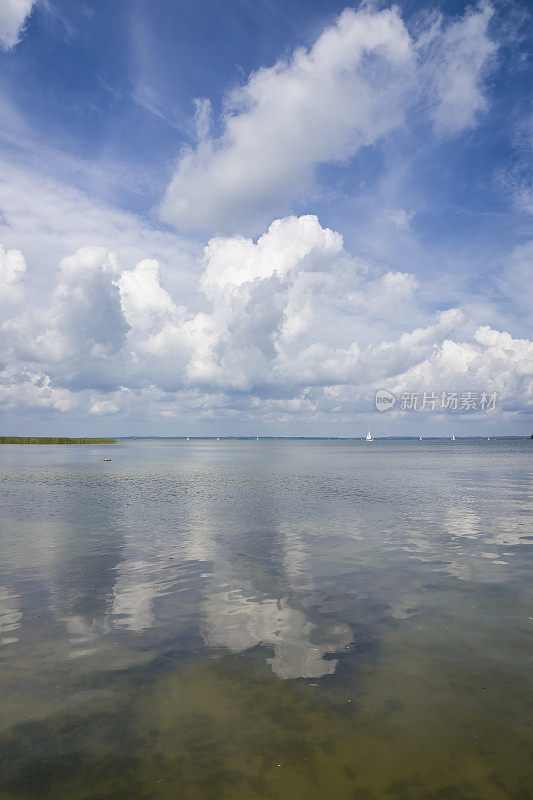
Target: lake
[{"x": 281, "y": 619}]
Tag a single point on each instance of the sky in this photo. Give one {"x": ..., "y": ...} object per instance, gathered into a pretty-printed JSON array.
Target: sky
[{"x": 249, "y": 218}]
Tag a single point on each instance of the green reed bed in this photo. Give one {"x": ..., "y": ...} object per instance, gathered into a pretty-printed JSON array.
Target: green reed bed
[{"x": 52, "y": 440}]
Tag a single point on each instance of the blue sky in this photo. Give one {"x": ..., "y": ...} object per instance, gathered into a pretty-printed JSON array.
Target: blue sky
[{"x": 241, "y": 217}]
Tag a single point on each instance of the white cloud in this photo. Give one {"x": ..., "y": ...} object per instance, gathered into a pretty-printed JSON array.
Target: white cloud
[
  {"x": 457, "y": 58},
  {"x": 360, "y": 80},
  {"x": 291, "y": 328},
  {"x": 22, "y": 388},
  {"x": 401, "y": 218},
  {"x": 320, "y": 105},
  {"x": 101, "y": 407},
  {"x": 48, "y": 220},
  {"x": 13, "y": 16},
  {"x": 393, "y": 289},
  {"x": 494, "y": 362},
  {"x": 514, "y": 280},
  {"x": 12, "y": 271},
  {"x": 77, "y": 336},
  {"x": 231, "y": 262},
  {"x": 146, "y": 305}
]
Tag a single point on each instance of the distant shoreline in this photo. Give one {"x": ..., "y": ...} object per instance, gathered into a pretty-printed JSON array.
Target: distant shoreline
[
  {"x": 119, "y": 439},
  {"x": 251, "y": 438},
  {"x": 52, "y": 440}
]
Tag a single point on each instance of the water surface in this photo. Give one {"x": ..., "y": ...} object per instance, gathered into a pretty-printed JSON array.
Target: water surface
[{"x": 266, "y": 619}]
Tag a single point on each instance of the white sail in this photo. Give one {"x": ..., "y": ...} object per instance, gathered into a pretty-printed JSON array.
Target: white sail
[{"x": 369, "y": 437}]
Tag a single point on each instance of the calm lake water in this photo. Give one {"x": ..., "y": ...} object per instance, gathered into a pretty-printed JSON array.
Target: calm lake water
[{"x": 266, "y": 619}]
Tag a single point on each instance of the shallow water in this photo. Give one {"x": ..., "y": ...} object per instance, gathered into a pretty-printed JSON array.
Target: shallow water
[{"x": 266, "y": 619}]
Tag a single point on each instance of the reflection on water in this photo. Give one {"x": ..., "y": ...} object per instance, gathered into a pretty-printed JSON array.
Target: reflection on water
[
  {"x": 10, "y": 616},
  {"x": 266, "y": 620}
]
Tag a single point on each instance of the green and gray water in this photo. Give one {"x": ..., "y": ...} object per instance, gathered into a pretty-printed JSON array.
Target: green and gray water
[{"x": 287, "y": 620}]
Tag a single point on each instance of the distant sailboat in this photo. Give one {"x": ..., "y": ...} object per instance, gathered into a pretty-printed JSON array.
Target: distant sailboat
[
  {"x": 188, "y": 439},
  {"x": 420, "y": 438},
  {"x": 453, "y": 437},
  {"x": 369, "y": 437}
]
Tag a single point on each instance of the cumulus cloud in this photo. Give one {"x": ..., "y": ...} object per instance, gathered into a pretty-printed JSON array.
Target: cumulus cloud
[
  {"x": 24, "y": 388},
  {"x": 145, "y": 304},
  {"x": 49, "y": 220},
  {"x": 12, "y": 271},
  {"x": 320, "y": 105},
  {"x": 13, "y": 16},
  {"x": 231, "y": 262},
  {"x": 291, "y": 326},
  {"x": 356, "y": 84},
  {"x": 81, "y": 331},
  {"x": 493, "y": 361}
]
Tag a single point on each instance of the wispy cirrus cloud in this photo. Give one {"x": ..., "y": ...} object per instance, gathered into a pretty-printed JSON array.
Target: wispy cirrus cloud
[
  {"x": 13, "y": 17},
  {"x": 457, "y": 57}
]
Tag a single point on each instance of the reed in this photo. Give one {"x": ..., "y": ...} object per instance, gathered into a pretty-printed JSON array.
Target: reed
[{"x": 52, "y": 440}]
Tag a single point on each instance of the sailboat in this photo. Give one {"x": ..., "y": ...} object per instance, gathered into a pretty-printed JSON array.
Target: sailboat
[
  {"x": 369, "y": 437},
  {"x": 420, "y": 438},
  {"x": 188, "y": 439},
  {"x": 453, "y": 437}
]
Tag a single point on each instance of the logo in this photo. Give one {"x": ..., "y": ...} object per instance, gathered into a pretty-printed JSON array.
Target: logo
[{"x": 384, "y": 400}]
